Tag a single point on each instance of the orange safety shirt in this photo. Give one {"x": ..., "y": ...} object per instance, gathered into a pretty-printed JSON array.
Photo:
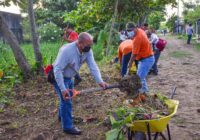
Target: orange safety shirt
[
  {"x": 124, "y": 48},
  {"x": 141, "y": 45}
]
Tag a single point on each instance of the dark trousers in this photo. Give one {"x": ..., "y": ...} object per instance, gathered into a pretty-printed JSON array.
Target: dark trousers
[
  {"x": 189, "y": 39},
  {"x": 125, "y": 60},
  {"x": 154, "y": 67}
]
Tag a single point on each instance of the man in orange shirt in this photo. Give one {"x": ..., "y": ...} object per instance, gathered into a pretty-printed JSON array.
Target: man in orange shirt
[
  {"x": 124, "y": 55},
  {"x": 142, "y": 52}
]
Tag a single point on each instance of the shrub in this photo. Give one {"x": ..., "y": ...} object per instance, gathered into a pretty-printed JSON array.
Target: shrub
[{"x": 49, "y": 32}]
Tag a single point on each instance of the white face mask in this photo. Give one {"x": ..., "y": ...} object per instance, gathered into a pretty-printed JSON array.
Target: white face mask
[{"x": 131, "y": 34}]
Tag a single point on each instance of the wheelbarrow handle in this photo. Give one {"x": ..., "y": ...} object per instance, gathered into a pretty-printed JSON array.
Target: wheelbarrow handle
[{"x": 173, "y": 93}]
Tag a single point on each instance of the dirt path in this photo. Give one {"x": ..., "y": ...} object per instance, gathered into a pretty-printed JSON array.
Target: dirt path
[
  {"x": 31, "y": 114},
  {"x": 179, "y": 66}
]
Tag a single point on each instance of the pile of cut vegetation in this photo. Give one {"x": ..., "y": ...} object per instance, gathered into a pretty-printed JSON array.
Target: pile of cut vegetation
[{"x": 143, "y": 107}]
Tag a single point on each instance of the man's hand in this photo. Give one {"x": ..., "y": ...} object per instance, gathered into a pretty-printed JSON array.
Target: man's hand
[
  {"x": 104, "y": 85},
  {"x": 65, "y": 94}
]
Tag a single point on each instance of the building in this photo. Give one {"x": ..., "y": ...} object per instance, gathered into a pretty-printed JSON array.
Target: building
[{"x": 14, "y": 23}]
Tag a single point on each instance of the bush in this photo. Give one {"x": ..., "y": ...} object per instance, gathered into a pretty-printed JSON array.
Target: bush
[{"x": 49, "y": 32}]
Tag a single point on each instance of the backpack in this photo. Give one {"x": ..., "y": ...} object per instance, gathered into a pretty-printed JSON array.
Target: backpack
[
  {"x": 50, "y": 74},
  {"x": 161, "y": 44}
]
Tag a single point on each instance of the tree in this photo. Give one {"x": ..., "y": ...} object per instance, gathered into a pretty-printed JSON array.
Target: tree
[
  {"x": 97, "y": 13},
  {"x": 12, "y": 41},
  {"x": 53, "y": 11},
  {"x": 35, "y": 38},
  {"x": 171, "y": 22},
  {"x": 155, "y": 19},
  {"x": 15, "y": 45}
]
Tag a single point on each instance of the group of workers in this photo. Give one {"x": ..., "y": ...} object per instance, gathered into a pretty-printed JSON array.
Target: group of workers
[
  {"x": 144, "y": 37},
  {"x": 136, "y": 48}
]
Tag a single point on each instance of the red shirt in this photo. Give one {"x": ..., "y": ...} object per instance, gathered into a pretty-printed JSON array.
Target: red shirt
[{"x": 73, "y": 36}]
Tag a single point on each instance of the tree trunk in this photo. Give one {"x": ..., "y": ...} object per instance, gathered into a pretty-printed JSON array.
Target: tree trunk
[
  {"x": 35, "y": 39},
  {"x": 111, "y": 29},
  {"x": 17, "y": 51}
]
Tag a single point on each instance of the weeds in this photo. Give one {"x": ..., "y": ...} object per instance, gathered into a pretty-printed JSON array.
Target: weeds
[
  {"x": 179, "y": 54},
  {"x": 22, "y": 111}
]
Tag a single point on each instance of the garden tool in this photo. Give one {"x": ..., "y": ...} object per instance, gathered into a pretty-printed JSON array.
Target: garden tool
[
  {"x": 90, "y": 90},
  {"x": 130, "y": 84}
]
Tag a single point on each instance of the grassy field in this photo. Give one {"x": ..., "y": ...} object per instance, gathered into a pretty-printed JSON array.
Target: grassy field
[
  {"x": 48, "y": 50},
  {"x": 11, "y": 72}
]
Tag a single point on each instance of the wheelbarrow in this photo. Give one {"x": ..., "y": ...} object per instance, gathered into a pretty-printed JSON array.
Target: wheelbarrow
[{"x": 139, "y": 128}]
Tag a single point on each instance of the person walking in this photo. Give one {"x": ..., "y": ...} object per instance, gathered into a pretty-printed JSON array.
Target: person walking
[
  {"x": 142, "y": 51},
  {"x": 68, "y": 62},
  {"x": 189, "y": 33}
]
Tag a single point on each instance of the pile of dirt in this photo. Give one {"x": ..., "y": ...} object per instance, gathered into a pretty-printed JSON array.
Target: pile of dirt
[{"x": 130, "y": 84}]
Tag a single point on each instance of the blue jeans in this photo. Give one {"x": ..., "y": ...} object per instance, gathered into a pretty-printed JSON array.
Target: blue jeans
[
  {"x": 125, "y": 60},
  {"x": 65, "y": 106},
  {"x": 143, "y": 69},
  {"x": 154, "y": 67}
]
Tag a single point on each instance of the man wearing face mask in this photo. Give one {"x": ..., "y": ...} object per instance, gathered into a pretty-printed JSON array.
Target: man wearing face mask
[
  {"x": 142, "y": 52},
  {"x": 67, "y": 64}
]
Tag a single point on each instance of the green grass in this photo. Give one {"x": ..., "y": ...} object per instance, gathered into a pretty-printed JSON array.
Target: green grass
[
  {"x": 183, "y": 36},
  {"x": 12, "y": 74},
  {"x": 48, "y": 50},
  {"x": 197, "y": 47},
  {"x": 179, "y": 54}
]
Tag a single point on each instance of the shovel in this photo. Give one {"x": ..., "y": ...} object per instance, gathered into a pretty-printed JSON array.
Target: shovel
[
  {"x": 91, "y": 90},
  {"x": 131, "y": 84}
]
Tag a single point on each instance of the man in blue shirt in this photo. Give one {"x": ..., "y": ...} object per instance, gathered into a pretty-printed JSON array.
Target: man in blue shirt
[
  {"x": 66, "y": 66},
  {"x": 189, "y": 33}
]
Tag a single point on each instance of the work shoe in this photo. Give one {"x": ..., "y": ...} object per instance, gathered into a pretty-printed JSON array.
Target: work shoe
[{"x": 73, "y": 131}]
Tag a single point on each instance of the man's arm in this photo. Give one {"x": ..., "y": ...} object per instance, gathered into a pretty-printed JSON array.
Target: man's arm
[
  {"x": 59, "y": 66},
  {"x": 132, "y": 59},
  {"x": 95, "y": 70},
  {"x": 119, "y": 56},
  {"x": 67, "y": 39}
]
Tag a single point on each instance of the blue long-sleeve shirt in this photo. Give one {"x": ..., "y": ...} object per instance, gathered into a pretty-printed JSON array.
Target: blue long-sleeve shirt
[
  {"x": 69, "y": 61},
  {"x": 189, "y": 30}
]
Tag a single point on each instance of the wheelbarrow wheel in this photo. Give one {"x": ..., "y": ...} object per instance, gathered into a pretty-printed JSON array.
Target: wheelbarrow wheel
[{"x": 139, "y": 136}]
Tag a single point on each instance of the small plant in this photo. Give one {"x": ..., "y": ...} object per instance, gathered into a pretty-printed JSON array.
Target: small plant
[
  {"x": 14, "y": 125},
  {"x": 21, "y": 111}
]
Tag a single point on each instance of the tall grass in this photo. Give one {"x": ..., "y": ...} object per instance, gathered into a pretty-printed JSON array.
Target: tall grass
[{"x": 48, "y": 50}]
